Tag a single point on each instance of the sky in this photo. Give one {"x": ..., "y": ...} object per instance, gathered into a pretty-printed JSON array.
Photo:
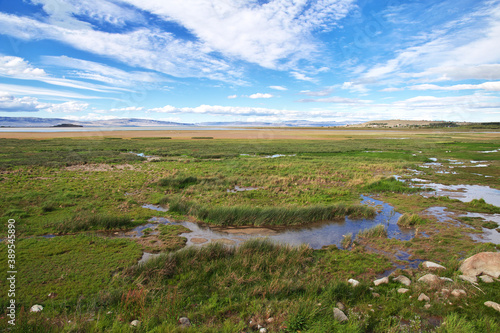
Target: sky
[{"x": 195, "y": 61}]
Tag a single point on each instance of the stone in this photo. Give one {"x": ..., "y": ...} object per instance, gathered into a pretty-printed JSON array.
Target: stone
[
  {"x": 458, "y": 292},
  {"x": 403, "y": 290},
  {"x": 432, "y": 265},
  {"x": 493, "y": 305},
  {"x": 403, "y": 279},
  {"x": 36, "y": 308},
  {"x": 384, "y": 280},
  {"x": 423, "y": 297},
  {"x": 487, "y": 263},
  {"x": 339, "y": 315},
  {"x": 269, "y": 320},
  {"x": 184, "y": 321},
  {"x": 135, "y": 323},
  {"x": 445, "y": 292},
  {"x": 263, "y": 330},
  {"x": 427, "y": 306},
  {"x": 375, "y": 294},
  {"x": 430, "y": 279},
  {"x": 446, "y": 279},
  {"x": 486, "y": 278},
  {"x": 340, "y": 306},
  {"x": 353, "y": 282},
  {"x": 471, "y": 279}
]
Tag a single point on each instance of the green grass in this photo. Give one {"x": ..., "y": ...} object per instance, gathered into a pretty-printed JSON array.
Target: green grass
[
  {"x": 411, "y": 220},
  {"x": 390, "y": 185},
  {"x": 88, "y": 221},
  {"x": 377, "y": 231}
]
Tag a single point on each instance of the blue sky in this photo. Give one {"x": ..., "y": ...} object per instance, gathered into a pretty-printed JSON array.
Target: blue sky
[{"x": 250, "y": 60}]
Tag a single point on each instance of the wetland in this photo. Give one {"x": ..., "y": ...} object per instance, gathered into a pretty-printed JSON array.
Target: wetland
[{"x": 248, "y": 228}]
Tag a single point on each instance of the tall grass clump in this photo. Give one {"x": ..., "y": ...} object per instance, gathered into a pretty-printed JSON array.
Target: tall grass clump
[
  {"x": 178, "y": 182},
  {"x": 377, "y": 231},
  {"x": 411, "y": 220},
  {"x": 84, "y": 222},
  {"x": 390, "y": 185},
  {"x": 346, "y": 241},
  {"x": 248, "y": 215}
]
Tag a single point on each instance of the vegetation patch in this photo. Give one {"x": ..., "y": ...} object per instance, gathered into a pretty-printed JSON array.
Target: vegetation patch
[
  {"x": 390, "y": 185},
  {"x": 88, "y": 221},
  {"x": 377, "y": 231},
  {"x": 411, "y": 220}
]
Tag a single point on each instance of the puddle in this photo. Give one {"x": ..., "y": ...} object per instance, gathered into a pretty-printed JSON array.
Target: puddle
[
  {"x": 315, "y": 235},
  {"x": 154, "y": 207},
  {"x": 464, "y": 193},
  {"x": 242, "y": 189},
  {"x": 278, "y": 155},
  {"x": 488, "y": 235}
]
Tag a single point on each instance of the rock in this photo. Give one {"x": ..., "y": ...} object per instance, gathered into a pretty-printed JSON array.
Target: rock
[
  {"x": 135, "y": 323},
  {"x": 403, "y": 290},
  {"x": 427, "y": 306},
  {"x": 445, "y": 292},
  {"x": 493, "y": 305},
  {"x": 446, "y": 279},
  {"x": 432, "y": 265},
  {"x": 339, "y": 315},
  {"x": 430, "y": 279},
  {"x": 184, "y": 321},
  {"x": 482, "y": 263},
  {"x": 36, "y": 308},
  {"x": 353, "y": 282},
  {"x": 471, "y": 279},
  {"x": 52, "y": 295},
  {"x": 403, "y": 279},
  {"x": 423, "y": 297},
  {"x": 458, "y": 292},
  {"x": 375, "y": 294},
  {"x": 263, "y": 330},
  {"x": 384, "y": 280},
  {"x": 340, "y": 306},
  {"x": 269, "y": 320},
  {"x": 486, "y": 278}
]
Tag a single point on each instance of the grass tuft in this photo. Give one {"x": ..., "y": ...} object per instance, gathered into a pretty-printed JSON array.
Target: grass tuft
[
  {"x": 411, "y": 220},
  {"x": 377, "y": 231},
  {"x": 84, "y": 222}
]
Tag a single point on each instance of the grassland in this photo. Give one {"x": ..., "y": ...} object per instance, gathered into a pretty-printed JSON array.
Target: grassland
[{"x": 86, "y": 189}]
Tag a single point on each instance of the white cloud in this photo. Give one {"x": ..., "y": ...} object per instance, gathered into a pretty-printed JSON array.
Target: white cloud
[
  {"x": 324, "y": 92},
  {"x": 335, "y": 99},
  {"x": 54, "y": 94},
  {"x": 260, "y": 33},
  {"x": 130, "y": 108},
  {"x": 232, "y": 96},
  {"x": 278, "y": 88},
  {"x": 490, "y": 86},
  {"x": 260, "y": 95},
  {"x": 302, "y": 77},
  {"x": 11, "y": 103},
  {"x": 19, "y": 68},
  {"x": 391, "y": 89}
]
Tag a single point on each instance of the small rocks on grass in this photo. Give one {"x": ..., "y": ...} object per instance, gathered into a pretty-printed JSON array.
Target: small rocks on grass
[
  {"x": 403, "y": 290},
  {"x": 432, "y": 265},
  {"x": 135, "y": 323},
  {"x": 353, "y": 282},
  {"x": 445, "y": 292},
  {"x": 427, "y": 306},
  {"x": 263, "y": 330},
  {"x": 423, "y": 297},
  {"x": 184, "y": 321},
  {"x": 383, "y": 280},
  {"x": 36, "y": 308},
  {"x": 486, "y": 278},
  {"x": 446, "y": 279},
  {"x": 375, "y": 295},
  {"x": 340, "y": 306},
  {"x": 458, "y": 292},
  {"x": 269, "y": 320},
  {"x": 339, "y": 315},
  {"x": 403, "y": 279},
  {"x": 430, "y": 279},
  {"x": 468, "y": 278},
  {"x": 493, "y": 305}
]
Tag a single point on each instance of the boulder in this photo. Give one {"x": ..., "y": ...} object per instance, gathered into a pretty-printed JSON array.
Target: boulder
[
  {"x": 430, "y": 279},
  {"x": 339, "y": 315},
  {"x": 36, "y": 308},
  {"x": 403, "y": 290},
  {"x": 471, "y": 279},
  {"x": 403, "y": 279},
  {"x": 184, "y": 321},
  {"x": 486, "y": 278},
  {"x": 423, "y": 297},
  {"x": 482, "y": 263},
  {"x": 432, "y": 265},
  {"x": 353, "y": 282},
  {"x": 458, "y": 292},
  {"x": 493, "y": 305},
  {"x": 384, "y": 280}
]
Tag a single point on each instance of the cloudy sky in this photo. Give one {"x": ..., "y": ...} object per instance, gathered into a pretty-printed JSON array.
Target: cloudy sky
[{"x": 250, "y": 60}]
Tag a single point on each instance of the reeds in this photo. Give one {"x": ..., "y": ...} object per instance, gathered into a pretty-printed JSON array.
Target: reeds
[
  {"x": 411, "y": 220},
  {"x": 377, "y": 231},
  {"x": 83, "y": 222}
]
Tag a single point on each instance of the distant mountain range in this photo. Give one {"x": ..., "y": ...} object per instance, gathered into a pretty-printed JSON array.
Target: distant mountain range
[{"x": 135, "y": 122}]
